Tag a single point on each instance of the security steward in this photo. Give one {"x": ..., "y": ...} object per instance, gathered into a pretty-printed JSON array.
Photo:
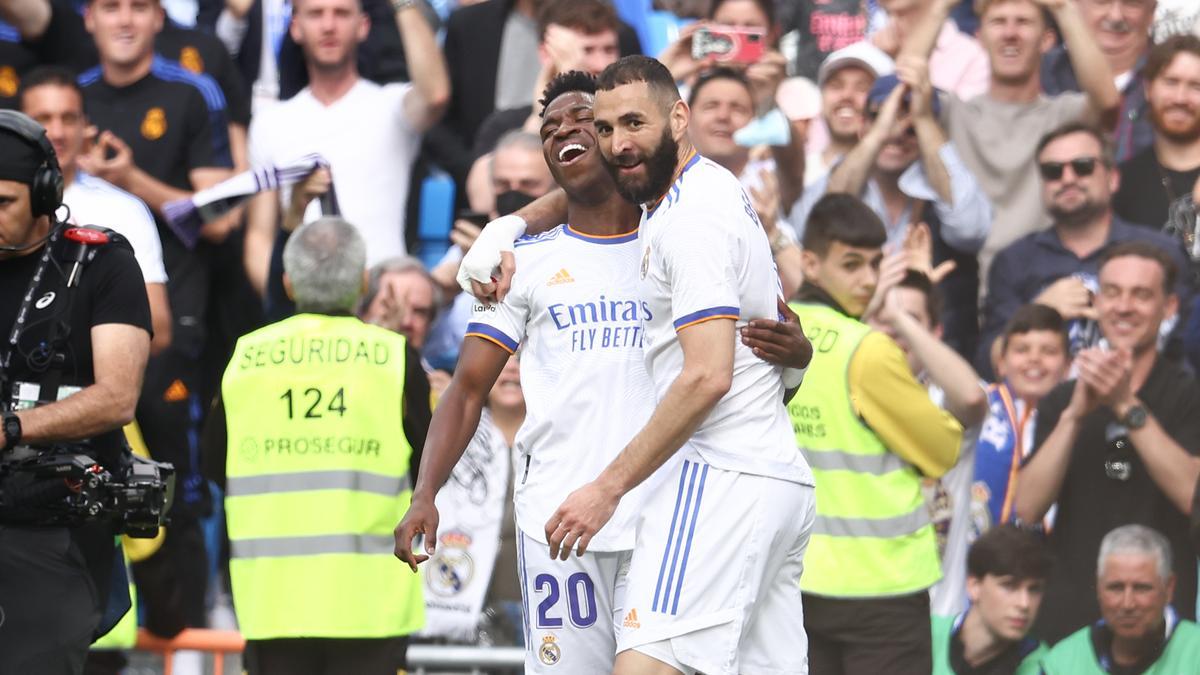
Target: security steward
[
  {"x": 76, "y": 336},
  {"x": 324, "y": 418},
  {"x": 870, "y": 432}
]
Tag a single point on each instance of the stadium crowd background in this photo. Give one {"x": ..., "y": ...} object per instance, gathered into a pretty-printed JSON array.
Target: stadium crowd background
[{"x": 1006, "y": 145}]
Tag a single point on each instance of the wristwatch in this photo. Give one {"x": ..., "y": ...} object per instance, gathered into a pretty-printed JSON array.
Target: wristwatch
[
  {"x": 1134, "y": 418},
  {"x": 12, "y": 429},
  {"x": 398, "y": 5}
]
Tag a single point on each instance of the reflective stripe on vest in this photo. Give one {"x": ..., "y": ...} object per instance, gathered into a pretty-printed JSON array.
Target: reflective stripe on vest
[
  {"x": 317, "y": 477},
  {"x": 872, "y": 536},
  {"x": 359, "y": 481}
]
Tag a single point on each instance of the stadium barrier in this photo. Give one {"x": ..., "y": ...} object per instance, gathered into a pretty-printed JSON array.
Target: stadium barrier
[{"x": 421, "y": 657}]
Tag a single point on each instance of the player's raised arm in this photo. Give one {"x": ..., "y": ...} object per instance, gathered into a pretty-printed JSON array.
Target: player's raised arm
[{"x": 450, "y": 431}]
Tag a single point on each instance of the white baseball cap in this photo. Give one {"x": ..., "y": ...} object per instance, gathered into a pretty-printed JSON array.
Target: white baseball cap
[{"x": 861, "y": 54}]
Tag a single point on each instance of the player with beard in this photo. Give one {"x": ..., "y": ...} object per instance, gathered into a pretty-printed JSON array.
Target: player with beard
[
  {"x": 575, "y": 314},
  {"x": 743, "y": 500}
]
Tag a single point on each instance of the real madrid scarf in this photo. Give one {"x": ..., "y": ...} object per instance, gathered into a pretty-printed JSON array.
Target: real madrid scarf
[
  {"x": 186, "y": 217},
  {"x": 470, "y": 505}
]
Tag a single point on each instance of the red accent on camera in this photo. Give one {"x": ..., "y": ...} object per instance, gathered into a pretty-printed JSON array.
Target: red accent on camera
[{"x": 85, "y": 235}]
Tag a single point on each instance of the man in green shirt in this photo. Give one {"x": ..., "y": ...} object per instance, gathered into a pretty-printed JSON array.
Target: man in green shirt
[
  {"x": 1139, "y": 632},
  {"x": 1006, "y": 572}
]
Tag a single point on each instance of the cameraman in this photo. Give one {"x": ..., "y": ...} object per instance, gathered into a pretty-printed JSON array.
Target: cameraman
[{"x": 86, "y": 346}]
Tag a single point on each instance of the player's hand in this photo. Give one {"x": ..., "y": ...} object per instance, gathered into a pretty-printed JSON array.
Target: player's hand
[
  {"x": 782, "y": 342},
  {"x": 1069, "y": 297},
  {"x": 421, "y": 518},
  {"x": 579, "y": 518},
  {"x": 487, "y": 269}
]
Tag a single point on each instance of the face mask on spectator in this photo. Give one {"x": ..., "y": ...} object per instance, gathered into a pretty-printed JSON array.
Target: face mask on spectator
[{"x": 508, "y": 202}]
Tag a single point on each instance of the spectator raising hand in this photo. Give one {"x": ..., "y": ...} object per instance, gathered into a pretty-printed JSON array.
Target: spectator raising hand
[{"x": 918, "y": 253}]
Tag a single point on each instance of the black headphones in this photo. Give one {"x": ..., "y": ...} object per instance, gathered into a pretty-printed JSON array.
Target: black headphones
[{"x": 46, "y": 190}]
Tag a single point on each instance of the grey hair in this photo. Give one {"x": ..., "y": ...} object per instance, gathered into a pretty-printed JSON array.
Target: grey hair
[
  {"x": 1136, "y": 539},
  {"x": 401, "y": 264},
  {"x": 324, "y": 261},
  {"x": 517, "y": 138}
]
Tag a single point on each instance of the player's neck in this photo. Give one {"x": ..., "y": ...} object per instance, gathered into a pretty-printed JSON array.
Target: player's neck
[
  {"x": 125, "y": 74},
  {"x": 613, "y": 216}
]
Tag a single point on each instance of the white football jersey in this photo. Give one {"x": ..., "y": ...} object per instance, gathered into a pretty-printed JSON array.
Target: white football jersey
[
  {"x": 574, "y": 314},
  {"x": 705, "y": 256}
]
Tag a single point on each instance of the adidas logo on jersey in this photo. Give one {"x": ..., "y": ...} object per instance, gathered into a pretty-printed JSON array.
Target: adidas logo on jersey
[
  {"x": 631, "y": 620},
  {"x": 562, "y": 277}
]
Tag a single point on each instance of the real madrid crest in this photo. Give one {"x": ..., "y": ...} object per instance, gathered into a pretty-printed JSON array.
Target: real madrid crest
[
  {"x": 646, "y": 261},
  {"x": 452, "y": 568},
  {"x": 549, "y": 653},
  {"x": 10, "y": 82},
  {"x": 155, "y": 124},
  {"x": 189, "y": 58}
]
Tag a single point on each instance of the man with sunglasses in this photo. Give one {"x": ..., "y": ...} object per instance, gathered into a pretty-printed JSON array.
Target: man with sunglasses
[
  {"x": 906, "y": 169},
  {"x": 1119, "y": 444},
  {"x": 1057, "y": 267}
]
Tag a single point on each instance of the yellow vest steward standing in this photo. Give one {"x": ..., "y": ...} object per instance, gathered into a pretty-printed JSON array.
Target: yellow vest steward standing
[
  {"x": 872, "y": 537},
  {"x": 317, "y": 477}
]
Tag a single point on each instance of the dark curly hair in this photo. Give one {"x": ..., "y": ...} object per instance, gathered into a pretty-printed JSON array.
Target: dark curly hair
[{"x": 566, "y": 83}]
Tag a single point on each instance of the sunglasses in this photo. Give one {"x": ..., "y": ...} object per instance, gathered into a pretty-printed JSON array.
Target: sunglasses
[{"x": 1081, "y": 166}]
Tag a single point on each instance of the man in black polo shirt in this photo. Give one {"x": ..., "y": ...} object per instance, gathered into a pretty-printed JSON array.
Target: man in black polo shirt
[
  {"x": 1118, "y": 445},
  {"x": 162, "y": 137}
]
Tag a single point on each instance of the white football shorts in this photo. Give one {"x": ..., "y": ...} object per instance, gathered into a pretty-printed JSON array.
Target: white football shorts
[{"x": 714, "y": 583}]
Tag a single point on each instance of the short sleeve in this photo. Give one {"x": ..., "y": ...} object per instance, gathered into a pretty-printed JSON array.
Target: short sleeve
[
  {"x": 120, "y": 292},
  {"x": 700, "y": 258},
  {"x": 140, "y": 230},
  {"x": 502, "y": 323}
]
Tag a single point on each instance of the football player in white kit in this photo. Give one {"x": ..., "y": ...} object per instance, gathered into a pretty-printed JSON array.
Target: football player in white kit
[
  {"x": 574, "y": 314},
  {"x": 743, "y": 505}
]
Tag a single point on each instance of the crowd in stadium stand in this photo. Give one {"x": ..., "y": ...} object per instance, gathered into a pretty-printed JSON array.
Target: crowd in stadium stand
[{"x": 1034, "y": 163}]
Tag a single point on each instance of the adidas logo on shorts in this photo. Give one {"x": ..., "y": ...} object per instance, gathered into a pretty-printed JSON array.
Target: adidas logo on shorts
[{"x": 631, "y": 620}]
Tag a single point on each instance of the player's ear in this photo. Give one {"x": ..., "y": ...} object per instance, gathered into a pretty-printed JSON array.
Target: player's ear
[{"x": 679, "y": 119}]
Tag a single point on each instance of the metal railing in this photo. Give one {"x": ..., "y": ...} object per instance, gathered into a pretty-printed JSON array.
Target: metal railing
[{"x": 421, "y": 658}]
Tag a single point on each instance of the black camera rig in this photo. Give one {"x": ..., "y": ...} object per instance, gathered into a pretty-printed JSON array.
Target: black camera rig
[{"x": 64, "y": 486}]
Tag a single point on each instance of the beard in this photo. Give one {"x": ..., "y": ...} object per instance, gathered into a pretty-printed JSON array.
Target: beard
[
  {"x": 1187, "y": 134},
  {"x": 660, "y": 169},
  {"x": 1080, "y": 214}
]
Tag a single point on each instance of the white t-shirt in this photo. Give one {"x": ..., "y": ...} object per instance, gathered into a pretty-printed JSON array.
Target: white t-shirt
[
  {"x": 94, "y": 201},
  {"x": 370, "y": 146},
  {"x": 705, "y": 256},
  {"x": 574, "y": 313}
]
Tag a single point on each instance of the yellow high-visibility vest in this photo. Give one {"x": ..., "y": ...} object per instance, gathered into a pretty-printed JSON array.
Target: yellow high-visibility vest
[
  {"x": 316, "y": 479},
  {"x": 872, "y": 536}
]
